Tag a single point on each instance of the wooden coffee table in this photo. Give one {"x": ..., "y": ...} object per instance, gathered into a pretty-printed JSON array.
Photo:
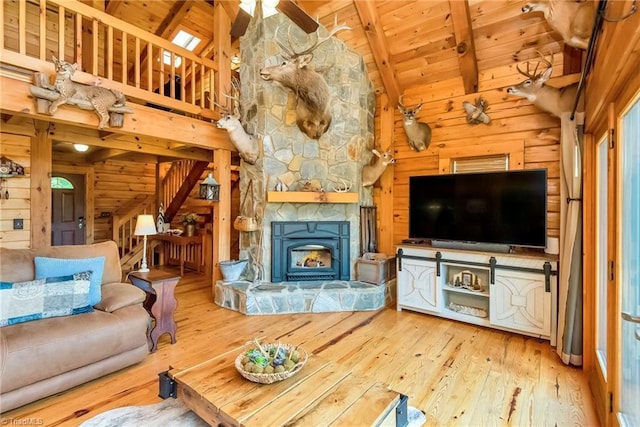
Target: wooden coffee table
[{"x": 321, "y": 393}]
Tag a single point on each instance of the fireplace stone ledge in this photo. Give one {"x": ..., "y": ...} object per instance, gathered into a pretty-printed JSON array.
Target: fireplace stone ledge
[{"x": 303, "y": 297}]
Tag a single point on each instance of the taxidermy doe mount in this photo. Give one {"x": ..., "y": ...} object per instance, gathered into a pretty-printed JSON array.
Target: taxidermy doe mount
[
  {"x": 246, "y": 144},
  {"x": 313, "y": 115},
  {"x": 573, "y": 20},
  {"x": 101, "y": 99},
  {"x": 547, "y": 98},
  {"x": 371, "y": 173},
  {"x": 418, "y": 134}
]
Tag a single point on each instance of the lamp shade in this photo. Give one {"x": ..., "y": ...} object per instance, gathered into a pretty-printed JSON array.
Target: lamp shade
[
  {"x": 210, "y": 189},
  {"x": 145, "y": 225}
]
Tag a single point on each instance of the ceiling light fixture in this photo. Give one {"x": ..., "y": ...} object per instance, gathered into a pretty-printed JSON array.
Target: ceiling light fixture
[{"x": 81, "y": 147}]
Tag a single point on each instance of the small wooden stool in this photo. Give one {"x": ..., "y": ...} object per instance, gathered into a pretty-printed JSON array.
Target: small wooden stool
[{"x": 160, "y": 302}]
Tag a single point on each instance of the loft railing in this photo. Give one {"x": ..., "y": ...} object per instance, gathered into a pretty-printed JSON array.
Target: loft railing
[{"x": 101, "y": 45}]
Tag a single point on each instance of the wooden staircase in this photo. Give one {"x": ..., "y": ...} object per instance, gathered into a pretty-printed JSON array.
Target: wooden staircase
[{"x": 175, "y": 189}]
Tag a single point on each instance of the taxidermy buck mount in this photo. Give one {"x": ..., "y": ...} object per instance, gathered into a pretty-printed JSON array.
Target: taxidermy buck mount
[
  {"x": 313, "y": 99},
  {"x": 547, "y": 98},
  {"x": 418, "y": 134},
  {"x": 573, "y": 20},
  {"x": 246, "y": 144},
  {"x": 371, "y": 173},
  {"x": 294, "y": 12}
]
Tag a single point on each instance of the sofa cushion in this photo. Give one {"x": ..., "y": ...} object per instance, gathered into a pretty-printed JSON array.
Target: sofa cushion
[
  {"x": 118, "y": 295},
  {"x": 42, "y": 298},
  {"x": 34, "y": 351},
  {"x": 50, "y": 267}
]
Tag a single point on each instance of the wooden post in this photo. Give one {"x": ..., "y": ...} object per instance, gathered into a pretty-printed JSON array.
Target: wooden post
[
  {"x": 222, "y": 51},
  {"x": 385, "y": 196},
  {"x": 41, "y": 155},
  {"x": 221, "y": 214}
]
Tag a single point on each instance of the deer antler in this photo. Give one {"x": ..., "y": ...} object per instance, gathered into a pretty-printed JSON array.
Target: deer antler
[
  {"x": 291, "y": 52},
  {"x": 535, "y": 75}
]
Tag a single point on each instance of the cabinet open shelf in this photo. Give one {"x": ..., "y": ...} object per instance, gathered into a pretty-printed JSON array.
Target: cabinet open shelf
[{"x": 450, "y": 288}]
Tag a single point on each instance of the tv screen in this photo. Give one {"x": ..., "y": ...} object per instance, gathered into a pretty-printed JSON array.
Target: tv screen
[{"x": 507, "y": 207}]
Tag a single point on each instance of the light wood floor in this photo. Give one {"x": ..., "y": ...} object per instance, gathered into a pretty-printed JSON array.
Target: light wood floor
[{"x": 458, "y": 374}]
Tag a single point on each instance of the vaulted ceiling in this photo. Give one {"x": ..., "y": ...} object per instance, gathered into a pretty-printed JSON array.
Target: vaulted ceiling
[{"x": 405, "y": 44}]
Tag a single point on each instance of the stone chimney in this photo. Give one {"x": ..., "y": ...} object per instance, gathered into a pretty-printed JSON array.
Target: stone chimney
[{"x": 288, "y": 157}]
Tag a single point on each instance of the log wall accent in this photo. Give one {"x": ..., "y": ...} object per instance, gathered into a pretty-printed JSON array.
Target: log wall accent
[
  {"x": 117, "y": 184},
  {"x": 530, "y": 135},
  {"x": 18, "y": 205}
]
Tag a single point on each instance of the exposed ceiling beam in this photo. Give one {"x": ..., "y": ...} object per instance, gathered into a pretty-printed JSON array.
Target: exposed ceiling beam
[
  {"x": 60, "y": 132},
  {"x": 113, "y": 6},
  {"x": 104, "y": 154},
  {"x": 379, "y": 47},
  {"x": 231, "y": 7},
  {"x": 465, "y": 47}
]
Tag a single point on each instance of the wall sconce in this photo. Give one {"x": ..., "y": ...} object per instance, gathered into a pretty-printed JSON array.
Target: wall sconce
[
  {"x": 145, "y": 226},
  {"x": 210, "y": 189},
  {"x": 81, "y": 147}
]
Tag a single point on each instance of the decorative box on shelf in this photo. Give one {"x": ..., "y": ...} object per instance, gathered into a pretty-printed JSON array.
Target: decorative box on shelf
[{"x": 375, "y": 268}]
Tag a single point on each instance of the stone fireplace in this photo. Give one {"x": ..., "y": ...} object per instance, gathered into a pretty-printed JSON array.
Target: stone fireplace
[
  {"x": 289, "y": 159},
  {"x": 310, "y": 250}
]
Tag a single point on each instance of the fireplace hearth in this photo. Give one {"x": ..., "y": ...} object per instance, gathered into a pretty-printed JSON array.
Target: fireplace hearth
[{"x": 310, "y": 250}]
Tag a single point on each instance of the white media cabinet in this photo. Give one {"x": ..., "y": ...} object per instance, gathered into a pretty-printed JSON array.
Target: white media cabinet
[{"x": 512, "y": 292}]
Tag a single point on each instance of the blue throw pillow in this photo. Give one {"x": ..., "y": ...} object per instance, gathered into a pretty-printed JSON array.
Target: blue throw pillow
[
  {"x": 41, "y": 298},
  {"x": 52, "y": 267}
]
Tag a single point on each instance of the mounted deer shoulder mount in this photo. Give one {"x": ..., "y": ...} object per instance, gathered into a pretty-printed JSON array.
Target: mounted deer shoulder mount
[
  {"x": 371, "y": 173},
  {"x": 571, "y": 19},
  {"x": 418, "y": 134},
  {"x": 313, "y": 99},
  {"x": 547, "y": 98},
  {"x": 246, "y": 144}
]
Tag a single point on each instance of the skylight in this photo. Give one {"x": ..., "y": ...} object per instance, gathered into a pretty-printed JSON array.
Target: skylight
[{"x": 186, "y": 40}]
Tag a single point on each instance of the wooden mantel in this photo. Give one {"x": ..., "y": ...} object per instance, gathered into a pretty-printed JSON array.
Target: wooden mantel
[{"x": 310, "y": 197}]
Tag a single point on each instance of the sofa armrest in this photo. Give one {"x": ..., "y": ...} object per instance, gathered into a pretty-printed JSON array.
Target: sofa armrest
[{"x": 118, "y": 295}]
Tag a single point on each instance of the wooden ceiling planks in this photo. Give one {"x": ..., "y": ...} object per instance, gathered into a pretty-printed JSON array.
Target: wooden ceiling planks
[{"x": 416, "y": 46}]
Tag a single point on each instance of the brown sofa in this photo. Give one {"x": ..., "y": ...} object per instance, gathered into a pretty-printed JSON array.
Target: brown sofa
[{"x": 43, "y": 357}]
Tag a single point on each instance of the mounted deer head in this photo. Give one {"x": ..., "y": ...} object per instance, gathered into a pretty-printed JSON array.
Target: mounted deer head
[
  {"x": 547, "y": 98},
  {"x": 573, "y": 20},
  {"x": 371, "y": 173},
  {"x": 313, "y": 115},
  {"x": 246, "y": 144},
  {"x": 418, "y": 134}
]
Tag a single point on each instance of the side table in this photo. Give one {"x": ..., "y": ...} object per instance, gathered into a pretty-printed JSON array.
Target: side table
[{"x": 160, "y": 302}]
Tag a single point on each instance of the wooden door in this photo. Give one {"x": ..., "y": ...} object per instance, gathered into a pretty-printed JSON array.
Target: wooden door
[
  {"x": 627, "y": 312},
  {"x": 67, "y": 209}
]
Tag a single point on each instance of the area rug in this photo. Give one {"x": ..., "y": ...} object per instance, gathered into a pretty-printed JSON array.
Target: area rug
[{"x": 172, "y": 413}]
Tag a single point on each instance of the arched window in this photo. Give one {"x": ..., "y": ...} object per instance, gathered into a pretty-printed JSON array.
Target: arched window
[{"x": 61, "y": 183}]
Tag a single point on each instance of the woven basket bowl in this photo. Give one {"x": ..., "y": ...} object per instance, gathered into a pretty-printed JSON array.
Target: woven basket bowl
[{"x": 276, "y": 376}]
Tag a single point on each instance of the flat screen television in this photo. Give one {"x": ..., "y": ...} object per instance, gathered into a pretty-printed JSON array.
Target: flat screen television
[{"x": 504, "y": 208}]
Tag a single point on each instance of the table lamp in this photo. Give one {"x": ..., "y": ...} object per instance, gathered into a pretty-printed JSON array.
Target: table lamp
[{"x": 145, "y": 226}]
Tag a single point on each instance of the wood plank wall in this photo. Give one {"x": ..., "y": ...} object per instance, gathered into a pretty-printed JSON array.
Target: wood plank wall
[
  {"x": 117, "y": 184},
  {"x": 514, "y": 124},
  {"x": 18, "y": 205}
]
